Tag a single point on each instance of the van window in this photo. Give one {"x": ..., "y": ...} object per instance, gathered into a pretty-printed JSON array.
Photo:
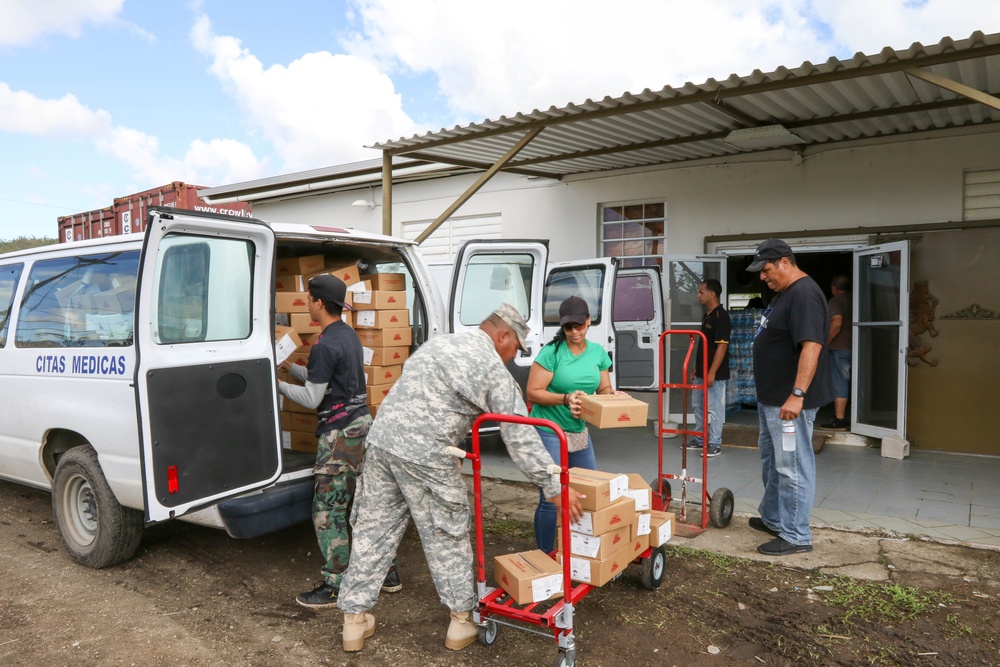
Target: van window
[
  {"x": 634, "y": 299},
  {"x": 204, "y": 290},
  {"x": 79, "y": 301},
  {"x": 492, "y": 280},
  {"x": 8, "y": 284},
  {"x": 586, "y": 283}
]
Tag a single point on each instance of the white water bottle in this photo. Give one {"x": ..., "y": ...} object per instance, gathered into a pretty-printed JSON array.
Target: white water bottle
[{"x": 788, "y": 435}]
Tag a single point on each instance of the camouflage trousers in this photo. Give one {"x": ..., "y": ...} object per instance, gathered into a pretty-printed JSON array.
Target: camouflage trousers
[
  {"x": 339, "y": 456},
  {"x": 391, "y": 492}
]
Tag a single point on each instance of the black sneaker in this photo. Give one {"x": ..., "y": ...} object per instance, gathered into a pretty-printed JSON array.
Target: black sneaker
[
  {"x": 714, "y": 451},
  {"x": 836, "y": 425},
  {"x": 758, "y": 524},
  {"x": 779, "y": 546},
  {"x": 322, "y": 597},
  {"x": 392, "y": 584}
]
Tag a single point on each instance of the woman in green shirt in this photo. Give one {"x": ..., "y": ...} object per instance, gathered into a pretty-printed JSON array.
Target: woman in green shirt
[{"x": 564, "y": 370}]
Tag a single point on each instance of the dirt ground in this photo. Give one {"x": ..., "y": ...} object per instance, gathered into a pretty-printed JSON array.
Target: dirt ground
[{"x": 194, "y": 596}]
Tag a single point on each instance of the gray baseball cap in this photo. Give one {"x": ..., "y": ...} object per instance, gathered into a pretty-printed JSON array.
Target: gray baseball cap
[{"x": 513, "y": 319}]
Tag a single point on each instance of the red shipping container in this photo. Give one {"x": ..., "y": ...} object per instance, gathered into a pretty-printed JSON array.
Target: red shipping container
[{"x": 87, "y": 225}]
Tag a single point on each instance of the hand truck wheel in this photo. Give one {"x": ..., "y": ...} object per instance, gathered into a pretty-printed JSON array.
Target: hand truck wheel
[
  {"x": 665, "y": 497},
  {"x": 654, "y": 569},
  {"x": 720, "y": 509},
  {"x": 488, "y": 633},
  {"x": 566, "y": 658}
]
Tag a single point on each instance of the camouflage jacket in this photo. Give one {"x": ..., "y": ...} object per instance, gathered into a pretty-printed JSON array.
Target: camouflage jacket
[{"x": 445, "y": 385}]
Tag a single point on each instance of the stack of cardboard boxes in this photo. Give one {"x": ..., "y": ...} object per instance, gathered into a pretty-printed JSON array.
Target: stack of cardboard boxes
[{"x": 381, "y": 320}]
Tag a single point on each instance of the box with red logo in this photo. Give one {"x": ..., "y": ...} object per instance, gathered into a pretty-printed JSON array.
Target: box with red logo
[
  {"x": 298, "y": 421},
  {"x": 291, "y": 302},
  {"x": 291, "y": 283},
  {"x": 286, "y": 341},
  {"x": 617, "y": 514},
  {"x": 661, "y": 525},
  {"x": 347, "y": 272},
  {"x": 598, "y": 572},
  {"x": 394, "y": 282},
  {"x": 396, "y": 337},
  {"x": 379, "y": 300},
  {"x": 377, "y": 393},
  {"x": 613, "y": 411},
  {"x": 529, "y": 576},
  {"x": 638, "y": 544},
  {"x": 381, "y": 319},
  {"x": 299, "y": 266},
  {"x": 385, "y": 356},
  {"x": 599, "y": 488},
  {"x": 595, "y": 546},
  {"x": 640, "y": 492},
  {"x": 382, "y": 374}
]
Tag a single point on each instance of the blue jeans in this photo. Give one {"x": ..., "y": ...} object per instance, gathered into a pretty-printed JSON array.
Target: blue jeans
[
  {"x": 840, "y": 367},
  {"x": 789, "y": 477},
  {"x": 716, "y": 412},
  {"x": 545, "y": 513}
]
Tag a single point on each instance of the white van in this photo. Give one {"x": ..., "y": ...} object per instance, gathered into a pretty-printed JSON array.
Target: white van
[{"x": 138, "y": 374}]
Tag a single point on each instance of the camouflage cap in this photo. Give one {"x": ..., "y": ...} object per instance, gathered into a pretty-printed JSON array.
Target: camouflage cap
[{"x": 513, "y": 319}]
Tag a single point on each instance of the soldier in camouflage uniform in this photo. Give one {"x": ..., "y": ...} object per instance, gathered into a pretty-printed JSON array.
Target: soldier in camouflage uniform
[
  {"x": 408, "y": 473},
  {"x": 334, "y": 383}
]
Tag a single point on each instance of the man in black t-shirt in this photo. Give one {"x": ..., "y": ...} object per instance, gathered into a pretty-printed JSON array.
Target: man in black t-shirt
[
  {"x": 792, "y": 375},
  {"x": 716, "y": 327},
  {"x": 334, "y": 384}
]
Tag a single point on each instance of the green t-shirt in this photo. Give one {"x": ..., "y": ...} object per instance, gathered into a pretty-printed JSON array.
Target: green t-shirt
[{"x": 570, "y": 373}]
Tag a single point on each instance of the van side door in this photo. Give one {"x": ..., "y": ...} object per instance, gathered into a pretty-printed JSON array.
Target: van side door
[
  {"x": 205, "y": 377},
  {"x": 638, "y": 319}
]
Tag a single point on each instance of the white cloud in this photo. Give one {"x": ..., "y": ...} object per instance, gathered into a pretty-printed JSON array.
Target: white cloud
[
  {"x": 25, "y": 20},
  {"x": 318, "y": 110},
  {"x": 212, "y": 162}
]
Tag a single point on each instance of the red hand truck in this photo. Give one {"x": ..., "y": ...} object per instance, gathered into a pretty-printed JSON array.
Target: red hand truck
[
  {"x": 719, "y": 505},
  {"x": 495, "y": 607}
]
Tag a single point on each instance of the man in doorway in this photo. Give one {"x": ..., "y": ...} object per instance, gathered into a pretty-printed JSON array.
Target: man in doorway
[
  {"x": 715, "y": 325},
  {"x": 334, "y": 384},
  {"x": 411, "y": 474},
  {"x": 793, "y": 380},
  {"x": 841, "y": 312}
]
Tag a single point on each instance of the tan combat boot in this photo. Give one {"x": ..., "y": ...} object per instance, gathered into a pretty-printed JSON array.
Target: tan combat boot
[
  {"x": 461, "y": 631},
  {"x": 357, "y": 628}
]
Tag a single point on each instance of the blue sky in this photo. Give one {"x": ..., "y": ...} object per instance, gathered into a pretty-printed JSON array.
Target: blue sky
[{"x": 103, "y": 98}]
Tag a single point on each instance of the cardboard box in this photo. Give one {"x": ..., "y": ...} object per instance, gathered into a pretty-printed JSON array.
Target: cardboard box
[
  {"x": 300, "y": 441},
  {"x": 395, "y": 282},
  {"x": 360, "y": 286},
  {"x": 302, "y": 323},
  {"x": 291, "y": 302},
  {"x": 291, "y": 283},
  {"x": 641, "y": 525},
  {"x": 288, "y": 405},
  {"x": 119, "y": 300},
  {"x": 347, "y": 272},
  {"x": 381, "y": 319},
  {"x": 600, "y": 488},
  {"x": 299, "y": 358},
  {"x": 613, "y": 411},
  {"x": 377, "y": 393},
  {"x": 385, "y": 356},
  {"x": 286, "y": 341},
  {"x": 617, "y": 514},
  {"x": 598, "y": 572},
  {"x": 528, "y": 577},
  {"x": 638, "y": 544},
  {"x": 596, "y": 546},
  {"x": 375, "y": 375},
  {"x": 298, "y": 421},
  {"x": 640, "y": 492},
  {"x": 396, "y": 337},
  {"x": 379, "y": 300},
  {"x": 308, "y": 340},
  {"x": 299, "y": 266},
  {"x": 661, "y": 526}
]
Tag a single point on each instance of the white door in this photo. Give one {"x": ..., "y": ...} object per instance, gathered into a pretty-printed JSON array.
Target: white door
[
  {"x": 205, "y": 378},
  {"x": 639, "y": 320},
  {"x": 684, "y": 275},
  {"x": 593, "y": 280},
  {"x": 881, "y": 337}
]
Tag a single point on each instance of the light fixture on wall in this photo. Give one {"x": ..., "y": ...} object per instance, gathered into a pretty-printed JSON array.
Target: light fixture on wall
[
  {"x": 366, "y": 203},
  {"x": 765, "y": 136}
]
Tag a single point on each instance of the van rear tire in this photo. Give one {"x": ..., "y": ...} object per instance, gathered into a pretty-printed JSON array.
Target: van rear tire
[{"x": 95, "y": 529}]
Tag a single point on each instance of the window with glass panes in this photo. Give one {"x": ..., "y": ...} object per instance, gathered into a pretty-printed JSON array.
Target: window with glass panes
[{"x": 635, "y": 233}]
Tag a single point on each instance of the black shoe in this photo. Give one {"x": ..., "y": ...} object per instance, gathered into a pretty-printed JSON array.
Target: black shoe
[
  {"x": 323, "y": 596},
  {"x": 758, "y": 524},
  {"x": 836, "y": 425},
  {"x": 392, "y": 584},
  {"x": 713, "y": 451},
  {"x": 779, "y": 546},
  {"x": 694, "y": 445}
]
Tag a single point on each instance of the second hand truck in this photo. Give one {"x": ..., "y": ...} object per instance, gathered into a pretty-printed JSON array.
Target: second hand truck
[
  {"x": 550, "y": 617},
  {"x": 719, "y": 505}
]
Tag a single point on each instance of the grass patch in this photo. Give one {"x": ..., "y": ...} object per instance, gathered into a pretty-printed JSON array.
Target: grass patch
[
  {"x": 509, "y": 528},
  {"x": 719, "y": 561},
  {"x": 881, "y": 602}
]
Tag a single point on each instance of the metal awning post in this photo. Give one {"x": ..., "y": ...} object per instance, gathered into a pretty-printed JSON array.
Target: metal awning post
[{"x": 386, "y": 193}]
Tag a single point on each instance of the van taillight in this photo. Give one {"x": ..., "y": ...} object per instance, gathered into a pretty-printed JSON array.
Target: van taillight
[{"x": 172, "y": 485}]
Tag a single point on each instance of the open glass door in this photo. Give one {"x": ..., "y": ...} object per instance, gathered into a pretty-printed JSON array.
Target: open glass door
[
  {"x": 205, "y": 380},
  {"x": 881, "y": 335},
  {"x": 684, "y": 274}
]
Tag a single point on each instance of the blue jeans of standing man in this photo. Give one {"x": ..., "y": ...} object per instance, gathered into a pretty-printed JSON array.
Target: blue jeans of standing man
[
  {"x": 545, "y": 513},
  {"x": 789, "y": 477},
  {"x": 716, "y": 413}
]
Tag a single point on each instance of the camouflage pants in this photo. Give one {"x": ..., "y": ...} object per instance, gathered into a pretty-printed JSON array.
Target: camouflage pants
[
  {"x": 390, "y": 492},
  {"x": 339, "y": 456}
]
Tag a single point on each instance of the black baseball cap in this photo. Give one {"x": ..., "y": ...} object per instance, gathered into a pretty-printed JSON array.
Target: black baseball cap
[
  {"x": 574, "y": 309},
  {"x": 329, "y": 288},
  {"x": 769, "y": 251}
]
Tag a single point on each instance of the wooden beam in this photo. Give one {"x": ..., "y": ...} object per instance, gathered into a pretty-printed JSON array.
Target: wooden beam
[
  {"x": 954, "y": 86},
  {"x": 386, "y": 193}
]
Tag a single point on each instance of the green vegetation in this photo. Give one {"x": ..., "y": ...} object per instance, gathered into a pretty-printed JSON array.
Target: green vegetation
[
  {"x": 23, "y": 243},
  {"x": 881, "y": 602},
  {"x": 721, "y": 562},
  {"x": 509, "y": 528}
]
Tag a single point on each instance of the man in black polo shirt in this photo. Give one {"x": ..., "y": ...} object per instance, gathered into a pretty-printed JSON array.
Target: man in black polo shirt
[
  {"x": 716, "y": 327},
  {"x": 334, "y": 382}
]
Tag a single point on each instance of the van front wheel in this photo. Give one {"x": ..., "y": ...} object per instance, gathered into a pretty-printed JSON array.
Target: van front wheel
[{"x": 96, "y": 530}]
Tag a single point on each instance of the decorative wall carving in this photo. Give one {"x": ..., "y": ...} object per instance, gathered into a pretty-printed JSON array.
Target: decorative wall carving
[
  {"x": 923, "y": 306},
  {"x": 973, "y": 312}
]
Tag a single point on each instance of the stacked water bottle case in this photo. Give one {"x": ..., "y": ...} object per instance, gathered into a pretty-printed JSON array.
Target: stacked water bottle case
[{"x": 741, "y": 388}]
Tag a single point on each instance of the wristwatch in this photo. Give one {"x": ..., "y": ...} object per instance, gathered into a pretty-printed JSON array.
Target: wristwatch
[{"x": 798, "y": 392}]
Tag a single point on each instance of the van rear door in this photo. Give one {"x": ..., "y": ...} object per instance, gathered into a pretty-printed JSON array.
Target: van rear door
[{"x": 205, "y": 378}]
